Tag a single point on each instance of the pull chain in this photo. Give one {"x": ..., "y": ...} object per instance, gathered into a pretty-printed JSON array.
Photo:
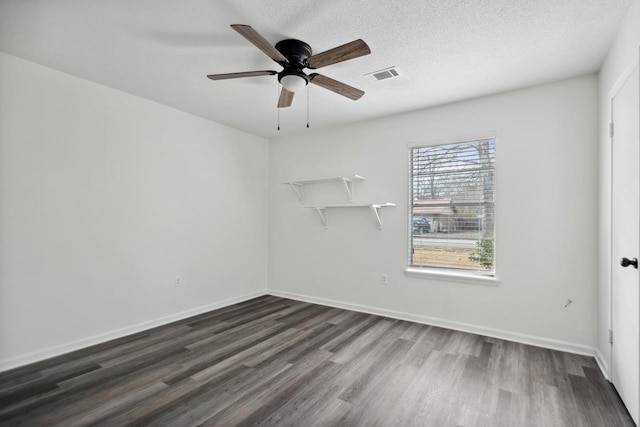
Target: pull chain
[
  {"x": 307, "y": 106},
  {"x": 278, "y": 98}
]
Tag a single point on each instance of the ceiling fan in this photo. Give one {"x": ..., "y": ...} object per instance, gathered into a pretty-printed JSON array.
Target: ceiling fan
[{"x": 294, "y": 56}]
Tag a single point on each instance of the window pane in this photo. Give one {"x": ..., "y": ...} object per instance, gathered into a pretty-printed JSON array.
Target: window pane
[{"x": 453, "y": 205}]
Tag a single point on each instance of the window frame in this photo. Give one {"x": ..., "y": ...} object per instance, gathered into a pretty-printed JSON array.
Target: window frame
[{"x": 476, "y": 277}]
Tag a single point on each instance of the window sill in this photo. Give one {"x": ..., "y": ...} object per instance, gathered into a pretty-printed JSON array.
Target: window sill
[{"x": 452, "y": 276}]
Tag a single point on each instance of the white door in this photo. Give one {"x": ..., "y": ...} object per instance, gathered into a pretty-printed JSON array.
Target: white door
[{"x": 625, "y": 295}]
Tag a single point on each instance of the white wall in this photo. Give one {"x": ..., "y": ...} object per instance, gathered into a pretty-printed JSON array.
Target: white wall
[
  {"x": 620, "y": 56},
  {"x": 104, "y": 199},
  {"x": 546, "y": 180}
]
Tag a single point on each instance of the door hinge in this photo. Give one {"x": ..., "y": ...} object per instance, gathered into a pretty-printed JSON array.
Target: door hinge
[
  {"x": 611, "y": 130},
  {"x": 610, "y": 336}
]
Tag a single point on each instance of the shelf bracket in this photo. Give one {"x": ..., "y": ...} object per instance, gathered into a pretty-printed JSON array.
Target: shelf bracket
[
  {"x": 348, "y": 187},
  {"x": 377, "y": 213},
  {"x": 299, "y": 189},
  {"x": 323, "y": 215}
]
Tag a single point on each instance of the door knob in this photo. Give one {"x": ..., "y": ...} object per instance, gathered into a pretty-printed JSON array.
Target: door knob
[{"x": 625, "y": 262}]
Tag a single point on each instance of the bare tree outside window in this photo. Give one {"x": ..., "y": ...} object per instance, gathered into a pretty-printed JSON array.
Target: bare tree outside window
[{"x": 453, "y": 206}]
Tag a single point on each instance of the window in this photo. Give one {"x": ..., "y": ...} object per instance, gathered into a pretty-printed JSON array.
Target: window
[{"x": 452, "y": 212}]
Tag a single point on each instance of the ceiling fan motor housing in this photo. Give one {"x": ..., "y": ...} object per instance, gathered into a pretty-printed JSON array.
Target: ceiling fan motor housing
[{"x": 297, "y": 52}]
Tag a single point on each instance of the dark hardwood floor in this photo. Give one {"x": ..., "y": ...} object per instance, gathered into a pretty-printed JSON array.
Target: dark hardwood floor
[{"x": 278, "y": 362}]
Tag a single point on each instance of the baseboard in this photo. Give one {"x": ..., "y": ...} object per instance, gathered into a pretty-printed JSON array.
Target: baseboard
[
  {"x": 57, "y": 350},
  {"x": 602, "y": 364},
  {"x": 458, "y": 326}
]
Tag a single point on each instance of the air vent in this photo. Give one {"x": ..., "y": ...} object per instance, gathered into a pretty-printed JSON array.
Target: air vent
[{"x": 385, "y": 74}]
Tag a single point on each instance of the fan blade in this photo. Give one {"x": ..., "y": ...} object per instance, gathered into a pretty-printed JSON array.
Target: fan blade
[
  {"x": 286, "y": 98},
  {"x": 260, "y": 42},
  {"x": 345, "y": 52},
  {"x": 240, "y": 75},
  {"x": 336, "y": 86}
]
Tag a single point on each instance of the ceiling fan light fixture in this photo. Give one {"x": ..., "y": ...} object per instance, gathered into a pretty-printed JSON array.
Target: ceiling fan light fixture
[{"x": 293, "y": 82}]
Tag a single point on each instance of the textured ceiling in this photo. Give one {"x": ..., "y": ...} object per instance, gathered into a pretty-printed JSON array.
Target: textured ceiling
[{"x": 444, "y": 50}]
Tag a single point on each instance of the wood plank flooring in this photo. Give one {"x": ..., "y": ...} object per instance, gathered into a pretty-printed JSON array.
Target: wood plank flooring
[{"x": 277, "y": 362}]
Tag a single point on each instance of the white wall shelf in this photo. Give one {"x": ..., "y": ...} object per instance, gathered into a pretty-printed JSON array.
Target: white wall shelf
[
  {"x": 376, "y": 209},
  {"x": 347, "y": 181}
]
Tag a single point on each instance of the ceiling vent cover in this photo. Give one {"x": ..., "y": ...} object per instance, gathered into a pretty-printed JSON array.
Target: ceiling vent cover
[{"x": 387, "y": 73}]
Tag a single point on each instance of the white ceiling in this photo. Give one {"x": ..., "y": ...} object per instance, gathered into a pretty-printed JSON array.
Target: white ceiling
[{"x": 444, "y": 50}]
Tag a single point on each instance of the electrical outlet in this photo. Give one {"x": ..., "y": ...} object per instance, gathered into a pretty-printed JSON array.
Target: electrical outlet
[
  {"x": 384, "y": 279},
  {"x": 178, "y": 282}
]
